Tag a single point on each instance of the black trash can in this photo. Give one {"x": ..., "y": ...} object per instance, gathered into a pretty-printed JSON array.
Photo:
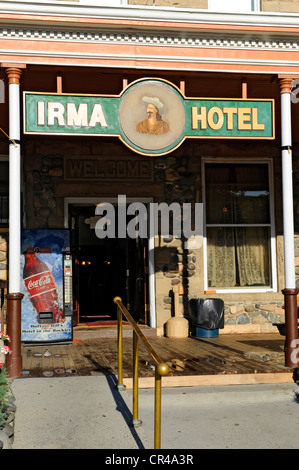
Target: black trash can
[{"x": 206, "y": 317}]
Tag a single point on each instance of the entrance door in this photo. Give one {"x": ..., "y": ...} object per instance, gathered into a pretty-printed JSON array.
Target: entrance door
[
  {"x": 105, "y": 268},
  {"x": 137, "y": 278}
]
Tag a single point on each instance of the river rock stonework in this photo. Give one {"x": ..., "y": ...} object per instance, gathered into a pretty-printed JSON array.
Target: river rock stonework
[
  {"x": 3, "y": 256},
  {"x": 251, "y": 313}
]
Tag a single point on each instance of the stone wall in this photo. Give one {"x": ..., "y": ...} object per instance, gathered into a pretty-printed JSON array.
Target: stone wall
[
  {"x": 283, "y": 6},
  {"x": 177, "y": 264},
  {"x": 171, "y": 3},
  {"x": 3, "y": 255},
  {"x": 44, "y": 209},
  {"x": 258, "y": 316},
  {"x": 49, "y": 180}
]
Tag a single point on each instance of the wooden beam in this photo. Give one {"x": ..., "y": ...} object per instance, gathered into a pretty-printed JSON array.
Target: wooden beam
[
  {"x": 215, "y": 379},
  {"x": 182, "y": 86},
  {"x": 59, "y": 84},
  {"x": 13, "y": 65},
  {"x": 244, "y": 90}
]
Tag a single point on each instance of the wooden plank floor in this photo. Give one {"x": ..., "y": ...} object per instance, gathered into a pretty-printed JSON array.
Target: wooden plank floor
[{"x": 225, "y": 355}]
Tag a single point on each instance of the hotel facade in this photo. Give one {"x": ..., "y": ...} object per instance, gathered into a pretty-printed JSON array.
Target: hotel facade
[{"x": 77, "y": 79}]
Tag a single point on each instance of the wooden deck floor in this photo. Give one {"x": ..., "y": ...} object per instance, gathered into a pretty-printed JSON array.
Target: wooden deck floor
[{"x": 226, "y": 359}]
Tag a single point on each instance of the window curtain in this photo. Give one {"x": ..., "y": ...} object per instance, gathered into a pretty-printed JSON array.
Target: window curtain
[
  {"x": 221, "y": 257},
  {"x": 253, "y": 258}
]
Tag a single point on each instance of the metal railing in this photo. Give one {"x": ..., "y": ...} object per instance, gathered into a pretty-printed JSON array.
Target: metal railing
[{"x": 161, "y": 369}]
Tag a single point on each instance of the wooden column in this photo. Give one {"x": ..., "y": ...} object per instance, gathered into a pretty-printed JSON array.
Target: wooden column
[
  {"x": 14, "y": 296},
  {"x": 290, "y": 292}
]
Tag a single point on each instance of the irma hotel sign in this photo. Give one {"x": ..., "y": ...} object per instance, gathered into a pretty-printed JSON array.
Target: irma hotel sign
[{"x": 151, "y": 116}]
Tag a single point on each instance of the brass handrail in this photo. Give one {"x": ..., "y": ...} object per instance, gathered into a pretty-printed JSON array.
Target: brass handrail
[{"x": 161, "y": 368}]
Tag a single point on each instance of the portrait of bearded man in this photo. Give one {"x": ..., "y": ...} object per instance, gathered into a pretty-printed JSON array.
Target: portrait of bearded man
[{"x": 154, "y": 123}]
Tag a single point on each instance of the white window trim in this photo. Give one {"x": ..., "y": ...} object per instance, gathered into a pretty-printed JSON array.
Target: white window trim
[
  {"x": 256, "y": 5},
  {"x": 241, "y": 290}
]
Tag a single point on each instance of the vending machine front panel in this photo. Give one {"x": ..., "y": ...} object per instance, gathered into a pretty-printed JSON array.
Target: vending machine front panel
[{"x": 44, "y": 316}]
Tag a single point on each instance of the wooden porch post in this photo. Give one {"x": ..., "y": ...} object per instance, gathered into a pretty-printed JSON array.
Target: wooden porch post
[
  {"x": 14, "y": 296},
  {"x": 290, "y": 292}
]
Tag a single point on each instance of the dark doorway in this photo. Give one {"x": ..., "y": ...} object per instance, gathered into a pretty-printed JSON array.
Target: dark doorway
[{"x": 105, "y": 268}]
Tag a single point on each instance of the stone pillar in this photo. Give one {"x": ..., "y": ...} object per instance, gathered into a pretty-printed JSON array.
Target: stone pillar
[
  {"x": 290, "y": 292},
  {"x": 14, "y": 297}
]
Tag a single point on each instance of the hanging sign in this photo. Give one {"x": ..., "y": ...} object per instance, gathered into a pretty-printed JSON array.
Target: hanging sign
[{"x": 151, "y": 116}]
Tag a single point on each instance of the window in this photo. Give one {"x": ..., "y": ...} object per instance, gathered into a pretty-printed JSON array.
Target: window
[
  {"x": 239, "y": 229},
  {"x": 235, "y": 6}
]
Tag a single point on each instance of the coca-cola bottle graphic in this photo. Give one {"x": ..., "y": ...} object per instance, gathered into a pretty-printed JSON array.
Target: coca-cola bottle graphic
[{"x": 41, "y": 287}]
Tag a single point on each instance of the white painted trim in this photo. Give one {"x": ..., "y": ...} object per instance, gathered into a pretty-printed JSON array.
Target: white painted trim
[
  {"x": 151, "y": 277},
  {"x": 151, "y": 242},
  {"x": 254, "y": 6},
  {"x": 154, "y": 59},
  {"x": 241, "y": 290},
  {"x": 147, "y": 13},
  {"x": 97, "y": 200},
  {"x": 287, "y": 191},
  {"x": 100, "y": 3},
  {"x": 272, "y": 220},
  {"x": 257, "y": 5},
  {"x": 140, "y": 35},
  {"x": 227, "y": 40}
]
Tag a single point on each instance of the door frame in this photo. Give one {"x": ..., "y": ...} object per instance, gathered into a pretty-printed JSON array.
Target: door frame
[{"x": 151, "y": 242}]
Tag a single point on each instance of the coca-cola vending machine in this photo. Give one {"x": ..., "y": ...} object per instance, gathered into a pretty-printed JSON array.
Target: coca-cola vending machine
[{"x": 46, "y": 267}]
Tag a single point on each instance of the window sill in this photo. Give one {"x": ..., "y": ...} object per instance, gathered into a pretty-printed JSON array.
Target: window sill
[{"x": 240, "y": 290}]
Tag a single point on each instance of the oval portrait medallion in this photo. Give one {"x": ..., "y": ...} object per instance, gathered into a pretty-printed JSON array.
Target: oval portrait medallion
[{"x": 152, "y": 116}]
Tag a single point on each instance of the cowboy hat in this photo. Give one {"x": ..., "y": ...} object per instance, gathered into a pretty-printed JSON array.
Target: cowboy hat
[{"x": 154, "y": 100}]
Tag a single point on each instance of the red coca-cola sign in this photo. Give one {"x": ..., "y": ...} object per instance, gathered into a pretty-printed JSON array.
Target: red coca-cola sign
[{"x": 40, "y": 283}]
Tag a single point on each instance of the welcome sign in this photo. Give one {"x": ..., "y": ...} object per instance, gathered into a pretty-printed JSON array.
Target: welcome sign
[{"x": 151, "y": 116}]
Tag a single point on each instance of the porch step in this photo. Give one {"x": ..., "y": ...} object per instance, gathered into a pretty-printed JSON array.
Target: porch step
[{"x": 96, "y": 332}]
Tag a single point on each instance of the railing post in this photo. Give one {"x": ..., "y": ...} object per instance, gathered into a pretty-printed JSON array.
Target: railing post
[
  {"x": 120, "y": 384},
  {"x": 136, "y": 421},
  {"x": 161, "y": 369},
  {"x": 157, "y": 423}
]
